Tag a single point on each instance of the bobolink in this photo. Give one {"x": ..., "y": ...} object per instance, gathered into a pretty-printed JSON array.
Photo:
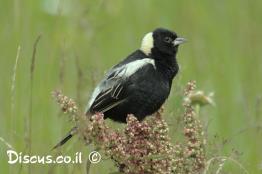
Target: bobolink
[{"x": 140, "y": 83}]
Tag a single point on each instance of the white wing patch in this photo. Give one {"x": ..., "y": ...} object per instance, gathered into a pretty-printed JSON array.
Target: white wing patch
[
  {"x": 123, "y": 71},
  {"x": 130, "y": 68}
]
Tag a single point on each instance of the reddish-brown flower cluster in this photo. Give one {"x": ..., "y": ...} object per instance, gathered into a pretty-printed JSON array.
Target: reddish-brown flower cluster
[
  {"x": 67, "y": 104},
  {"x": 194, "y": 154},
  {"x": 144, "y": 147}
]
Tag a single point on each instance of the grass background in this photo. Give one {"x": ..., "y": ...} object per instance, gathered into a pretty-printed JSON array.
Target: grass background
[{"x": 223, "y": 55}]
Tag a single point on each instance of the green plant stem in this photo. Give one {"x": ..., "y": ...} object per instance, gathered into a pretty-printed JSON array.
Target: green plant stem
[{"x": 197, "y": 110}]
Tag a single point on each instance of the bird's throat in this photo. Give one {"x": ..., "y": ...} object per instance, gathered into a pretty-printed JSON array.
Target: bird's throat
[{"x": 166, "y": 63}]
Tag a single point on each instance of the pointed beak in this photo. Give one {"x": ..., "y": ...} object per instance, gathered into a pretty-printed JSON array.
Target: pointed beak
[{"x": 179, "y": 41}]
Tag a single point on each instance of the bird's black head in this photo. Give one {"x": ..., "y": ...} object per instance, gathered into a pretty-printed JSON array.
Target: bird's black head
[{"x": 162, "y": 40}]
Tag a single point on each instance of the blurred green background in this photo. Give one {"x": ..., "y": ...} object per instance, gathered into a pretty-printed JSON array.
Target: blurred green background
[{"x": 224, "y": 56}]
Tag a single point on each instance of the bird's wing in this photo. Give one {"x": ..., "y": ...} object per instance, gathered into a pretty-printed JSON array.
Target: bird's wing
[{"x": 112, "y": 90}]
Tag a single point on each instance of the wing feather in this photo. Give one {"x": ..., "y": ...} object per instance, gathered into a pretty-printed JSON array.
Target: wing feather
[{"x": 112, "y": 90}]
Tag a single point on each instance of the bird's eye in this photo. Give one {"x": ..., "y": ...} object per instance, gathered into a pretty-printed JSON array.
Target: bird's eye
[{"x": 168, "y": 39}]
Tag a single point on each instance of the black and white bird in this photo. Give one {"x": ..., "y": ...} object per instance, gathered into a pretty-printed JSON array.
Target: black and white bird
[{"x": 140, "y": 83}]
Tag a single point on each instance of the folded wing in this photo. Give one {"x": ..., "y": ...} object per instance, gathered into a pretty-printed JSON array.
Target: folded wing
[{"x": 112, "y": 91}]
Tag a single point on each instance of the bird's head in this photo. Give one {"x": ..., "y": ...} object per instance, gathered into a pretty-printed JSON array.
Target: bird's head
[{"x": 162, "y": 40}]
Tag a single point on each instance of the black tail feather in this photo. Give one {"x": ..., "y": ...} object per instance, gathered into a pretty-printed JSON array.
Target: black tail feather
[{"x": 68, "y": 136}]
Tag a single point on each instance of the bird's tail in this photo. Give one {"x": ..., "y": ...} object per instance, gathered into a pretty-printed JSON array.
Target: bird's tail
[{"x": 68, "y": 136}]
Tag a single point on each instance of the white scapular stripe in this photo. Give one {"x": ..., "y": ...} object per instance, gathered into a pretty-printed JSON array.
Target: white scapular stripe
[
  {"x": 123, "y": 72},
  {"x": 130, "y": 68}
]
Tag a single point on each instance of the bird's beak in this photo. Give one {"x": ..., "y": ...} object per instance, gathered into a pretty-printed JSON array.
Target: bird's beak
[{"x": 179, "y": 41}]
